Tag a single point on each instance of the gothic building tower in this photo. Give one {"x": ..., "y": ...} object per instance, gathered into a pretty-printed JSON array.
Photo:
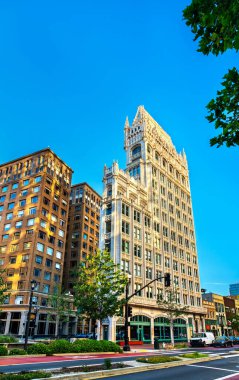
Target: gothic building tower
[{"x": 147, "y": 225}]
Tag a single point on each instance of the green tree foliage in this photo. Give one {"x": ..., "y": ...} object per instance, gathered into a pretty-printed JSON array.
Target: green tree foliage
[
  {"x": 99, "y": 287},
  {"x": 3, "y": 287},
  {"x": 235, "y": 323},
  {"x": 172, "y": 309},
  {"x": 215, "y": 25},
  {"x": 60, "y": 304}
]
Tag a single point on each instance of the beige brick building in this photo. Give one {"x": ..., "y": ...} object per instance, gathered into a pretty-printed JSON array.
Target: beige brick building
[
  {"x": 147, "y": 224},
  {"x": 34, "y": 202}
]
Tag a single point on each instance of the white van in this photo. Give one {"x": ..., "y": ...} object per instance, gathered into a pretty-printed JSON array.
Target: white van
[{"x": 202, "y": 339}]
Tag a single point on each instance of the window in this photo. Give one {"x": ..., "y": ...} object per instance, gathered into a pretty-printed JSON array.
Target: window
[
  {"x": 13, "y": 195},
  {"x": 43, "y": 223},
  {"x": 137, "y": 270},
  {"x": 40, "y": 247},
  {"x": 58, "y": 254},
  {"x": 54, "y": 218},
  {"x": 51, "y": 239},
  {"x": 49, "y": 251},
  {"x": 4, "y": 189},
  {"x": 125, "y": 246},
  {"x": 148, "y": 255},
  {"x": 18, "y": 224},
  {"x": 20, "y": 213},
  {"x": 5, "y": 236},
  {"x": 30, "y": 222},
  {"x": 137, "y": 233},
  {"x": 32, "y": 211},
  {"x": 36, "y": 272},
  {"x": 14, "y": 186},
  {"x": 149, "y": 292},
  {"x": 125, "y": 227},
  {"x": 137, "y": 250},
  {"x": 47, "y": 276},
  {"x": 22, "y": 202},
  {"x": 137, "y": 288},
  {"x": 36, "y": 189},
  {"x": 39, "y": 259},
  {"x": 55, "y": 207},
  {"x": 48, "y": 263},
  {"x": 125, "y": 209},
  {"x": 9, "y": 216},
  {"x": 46, "y": 288},
  {"x": 12, "y": 260},
  {"x": 7, "y": 226},
  {"x": 42, "y": 235},
  {"x": 44, "y": 212},
  {"x": 158, "y": 259},
  {"x": 137, "y": 216},
  {"x": 61, "y": 233},
  {"x": 11, "y": 205},
  {"x": 60, "y": 244},
  {"x": 38, "y": 179},
  {"x": 58, "y": 266},
  {"x": 149, "y": 273},
  {"x": 27, "y": 245},
  {"x": 34, "y": 199},
  {"x": 18, "y": 300},
  {"x": 26, "y": 182}
]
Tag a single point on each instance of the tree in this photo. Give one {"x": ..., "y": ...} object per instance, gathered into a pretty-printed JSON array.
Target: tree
[
  {"x": 61, "y": 307},
  {"x": 99, "y": 288},
  {"x": 172, "y": 309},
  {"x": 234, "y": 323},
  {"x": 3, "y": 287},
  {"x": 215, "y": 25}
]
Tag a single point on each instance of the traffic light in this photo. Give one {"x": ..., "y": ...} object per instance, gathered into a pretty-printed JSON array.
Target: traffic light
[
  {"x": 167, "y": 280},
  {"x": 130, "y": 311}
]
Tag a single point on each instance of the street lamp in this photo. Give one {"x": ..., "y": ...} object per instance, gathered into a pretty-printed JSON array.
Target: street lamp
[{"x": 33, "y": 285}]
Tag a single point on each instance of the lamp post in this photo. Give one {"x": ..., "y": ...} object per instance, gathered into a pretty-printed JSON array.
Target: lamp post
[{"x": 33, "y": 285}]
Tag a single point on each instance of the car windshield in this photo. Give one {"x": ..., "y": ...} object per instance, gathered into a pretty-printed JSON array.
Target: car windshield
[{"x": 199, "y": 335}]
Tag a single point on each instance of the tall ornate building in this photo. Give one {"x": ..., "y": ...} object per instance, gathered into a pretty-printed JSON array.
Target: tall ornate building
[
  {"x": 34, "y": 202},
  {"x": 147, "y": 224}
]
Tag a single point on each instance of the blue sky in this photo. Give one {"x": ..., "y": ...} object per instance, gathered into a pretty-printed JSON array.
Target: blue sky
[{"x": 71, "y": 71}]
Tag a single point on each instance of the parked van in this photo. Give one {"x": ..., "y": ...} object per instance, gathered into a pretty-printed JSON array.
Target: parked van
[{"x": 202, "y": 339}]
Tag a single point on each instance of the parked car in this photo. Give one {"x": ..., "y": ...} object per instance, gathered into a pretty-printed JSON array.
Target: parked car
[
  {"x": 235, "y": 339},
  {"x": 222, "y": 341},
  {"x": 202, "y": 339}
]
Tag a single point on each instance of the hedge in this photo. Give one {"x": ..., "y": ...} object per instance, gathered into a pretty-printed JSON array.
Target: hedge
[
  {"x": 25, "y": 375},
  {"x": 17, "y": 351},
  {"x": 39, "y": 348},
  {"x": 3, "y": 351},
  {"x": 7, "y": 339}
]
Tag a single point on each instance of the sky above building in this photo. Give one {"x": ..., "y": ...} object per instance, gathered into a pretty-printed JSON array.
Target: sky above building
[{"x": 70, "y": 73}]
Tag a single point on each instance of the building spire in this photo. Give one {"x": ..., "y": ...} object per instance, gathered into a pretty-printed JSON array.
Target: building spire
[{"x": 126, "y": 125}]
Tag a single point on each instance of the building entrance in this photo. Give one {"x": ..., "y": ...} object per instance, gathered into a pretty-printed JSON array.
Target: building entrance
[{"x": 140, "y": 328}]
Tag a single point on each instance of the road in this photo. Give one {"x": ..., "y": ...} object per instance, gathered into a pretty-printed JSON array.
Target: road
[
  {"x": 214, "y": 370},
  {"x": 12, "y": 364}
]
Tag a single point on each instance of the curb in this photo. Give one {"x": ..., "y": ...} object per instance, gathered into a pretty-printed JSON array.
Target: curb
[{"x": 126, "y": 371}]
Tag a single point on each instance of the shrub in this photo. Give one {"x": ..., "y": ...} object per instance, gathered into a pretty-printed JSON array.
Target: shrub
[
  {"x": 60, "y": 346},
  {"x": 17, "y": 351},
  {"x": 3, "y": 351},
  {"x": 194, "y": 355},
  {"x": 94, "y": 346},
  {"x": 158, "y": 359},
  {"x": 25, "y": 375},
  {"x": 7, "y": 339},
  {"x": 39, "y": 348},
  {"x": 107, "y": 364}
]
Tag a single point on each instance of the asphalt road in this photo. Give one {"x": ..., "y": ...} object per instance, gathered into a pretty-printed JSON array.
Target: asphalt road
[
  {"x": 216, "y": 369},
  {"x": 23, "y": 364}
]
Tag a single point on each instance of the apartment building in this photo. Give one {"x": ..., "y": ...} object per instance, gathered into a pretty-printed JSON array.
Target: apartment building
[
  {"x": 34, "y": 202},
  {"x": 148, "y": 226}
]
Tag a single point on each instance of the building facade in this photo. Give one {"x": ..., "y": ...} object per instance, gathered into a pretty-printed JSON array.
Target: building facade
[
  {"x": 82, "y": 236},
  {"x": 234, "y": 289},
  {"x": 34, "y": 202},
  {"x": 221, "y": 327},
  {"x": 147, "y": 225}
]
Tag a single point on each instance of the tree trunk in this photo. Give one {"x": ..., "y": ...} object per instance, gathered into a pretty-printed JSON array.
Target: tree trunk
[
  {"x": 171, "y": 332},
  {"x": 57, "y": 326}
]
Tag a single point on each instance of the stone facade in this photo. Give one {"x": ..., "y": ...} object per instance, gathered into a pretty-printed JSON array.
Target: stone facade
[{"x": 147, "y": 224}]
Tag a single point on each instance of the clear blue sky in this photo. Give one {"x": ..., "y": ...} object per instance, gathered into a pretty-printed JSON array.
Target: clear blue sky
[{"x": 71, "y": 71}]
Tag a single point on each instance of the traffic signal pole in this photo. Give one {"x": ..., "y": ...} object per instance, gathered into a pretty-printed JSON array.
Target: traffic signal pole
[{"x": 167, "y": 283}]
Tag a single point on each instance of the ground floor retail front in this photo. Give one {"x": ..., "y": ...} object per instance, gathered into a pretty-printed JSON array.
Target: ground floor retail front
[
  {"x": 41, "y": 323},
  {"x": 145, "y": 327}
]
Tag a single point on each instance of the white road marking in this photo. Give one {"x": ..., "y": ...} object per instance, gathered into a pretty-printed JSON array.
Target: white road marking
[
  {"x": 227, "y": 377},
  {"x": 219, "y": 369},
  {"x": 231, "y": 356}
]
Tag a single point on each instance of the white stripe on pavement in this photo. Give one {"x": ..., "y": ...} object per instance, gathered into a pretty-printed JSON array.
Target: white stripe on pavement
[
  {"x": 219, "y": 369},
  {"x": 227, "y": 377}
]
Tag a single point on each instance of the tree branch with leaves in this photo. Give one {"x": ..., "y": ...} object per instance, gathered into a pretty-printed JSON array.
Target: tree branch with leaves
[
  {"x": 168, "y": 302},
  {"x": 214, "y": 24},
  {"x": 99, "y": 287}
]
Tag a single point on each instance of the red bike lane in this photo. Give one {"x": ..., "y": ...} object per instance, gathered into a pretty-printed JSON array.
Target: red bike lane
[{"x": 64, "y": 358}]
